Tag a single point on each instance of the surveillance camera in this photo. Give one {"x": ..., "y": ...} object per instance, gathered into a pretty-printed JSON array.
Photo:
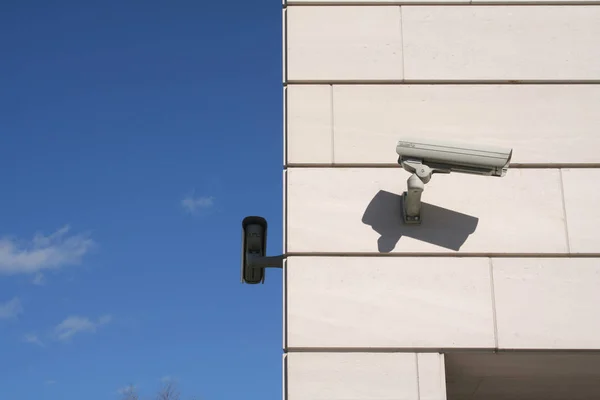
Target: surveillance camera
[
  {"x": 254, "y": 249},
  {"x": 254, "y": 243},
  {"x": 425, "y": 157}
]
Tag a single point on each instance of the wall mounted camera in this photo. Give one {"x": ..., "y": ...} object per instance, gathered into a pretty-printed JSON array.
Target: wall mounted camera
[
  {"x": 425, "y": 157},
  {"x": 254, "y": 250}
]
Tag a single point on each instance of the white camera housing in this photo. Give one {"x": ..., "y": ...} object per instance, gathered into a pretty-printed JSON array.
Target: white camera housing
[
  {"x": 423, "y": 157},
  {"x": 455, "y": 157}
]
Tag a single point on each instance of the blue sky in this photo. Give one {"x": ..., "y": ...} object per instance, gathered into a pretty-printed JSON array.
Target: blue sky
[{"x": 134, "y": 138}]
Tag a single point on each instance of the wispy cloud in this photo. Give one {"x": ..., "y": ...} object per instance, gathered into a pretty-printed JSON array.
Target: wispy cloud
[
  {"x": 194, "y": 204},
  {"x": 39, "y": 279},
  {"x": 129, "y": 390},
  {"x": 50, "y": 382},
  {"x": 43, "y": 252},
  {"x": 11, "y": 308},
  {"x": 75, "y": 324},
  {"x": 33, "y": 339}
]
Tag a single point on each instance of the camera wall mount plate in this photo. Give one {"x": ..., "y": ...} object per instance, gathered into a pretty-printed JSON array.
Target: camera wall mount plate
[{"x": 408, "y": 219}]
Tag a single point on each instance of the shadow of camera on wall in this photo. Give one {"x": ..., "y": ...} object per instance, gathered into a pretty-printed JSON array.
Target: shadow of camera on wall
[{"x": 439, "y": 226}]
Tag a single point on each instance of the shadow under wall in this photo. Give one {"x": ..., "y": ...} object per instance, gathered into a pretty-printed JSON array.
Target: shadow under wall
[{"x": 439, "y": 226}]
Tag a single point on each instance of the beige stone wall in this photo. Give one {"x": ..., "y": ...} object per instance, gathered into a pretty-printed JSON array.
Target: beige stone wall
[{"x": 373, "y": 307}]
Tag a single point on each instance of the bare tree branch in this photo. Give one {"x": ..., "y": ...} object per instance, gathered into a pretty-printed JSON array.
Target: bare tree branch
[{"x": 169, "y": 392}]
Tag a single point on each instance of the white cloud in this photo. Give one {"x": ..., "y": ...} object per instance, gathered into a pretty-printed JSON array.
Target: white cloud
[
  {"x": 130, "y": 390},
  {"x": 43, "y": 252},
  {"x": 193, "y": 204},
  {"x": 75, "y": 324},
  {"x": 33, "y": 339},
  {"x": 39, "y": 279},
  {"x": 10, "y": 309},
  {"x": 105, "y": 319}
]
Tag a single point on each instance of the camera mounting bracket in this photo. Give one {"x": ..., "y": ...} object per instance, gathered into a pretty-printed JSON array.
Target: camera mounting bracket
[
  {"x": 411, "y": 199},
  {"x": 256, "y": 261}
]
